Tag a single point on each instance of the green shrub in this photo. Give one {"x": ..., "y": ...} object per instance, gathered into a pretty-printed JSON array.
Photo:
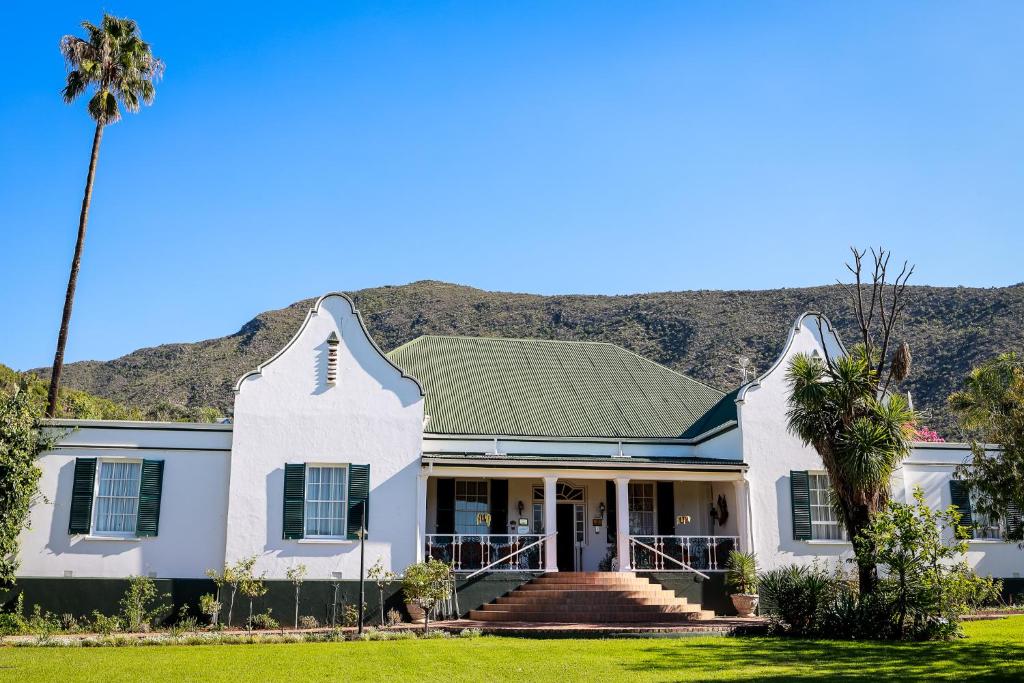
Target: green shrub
[
  {"x": 393, "y": 618},
  {"x": 263, "y": 621},
  {"x": 308, "y": 621},
  {"x": 140, "y": 606},
  {"x": 13, "y": 623},
  {"x": 796, "y": 598},
  {"x": 103, "y": 624}
]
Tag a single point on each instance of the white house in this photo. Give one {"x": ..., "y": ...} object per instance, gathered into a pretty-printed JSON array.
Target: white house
[{"x": 508, "y": 456}]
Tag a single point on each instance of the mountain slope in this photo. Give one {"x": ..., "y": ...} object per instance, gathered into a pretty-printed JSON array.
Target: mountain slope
[{"x": 699, "y": 333}]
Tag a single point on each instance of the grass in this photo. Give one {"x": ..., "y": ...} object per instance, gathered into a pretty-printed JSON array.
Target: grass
[{"x": 994, "y": 650}]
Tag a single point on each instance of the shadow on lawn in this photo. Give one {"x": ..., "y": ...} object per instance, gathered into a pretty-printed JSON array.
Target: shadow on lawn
[{"x": 836, "y": 660}]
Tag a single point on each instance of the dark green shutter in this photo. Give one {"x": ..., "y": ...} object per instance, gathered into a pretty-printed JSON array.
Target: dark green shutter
[
  {"x": 800, "y": 493},
  {"x": 446, "y": 506},
  {"x": 294, "y": 500},
  {"x": 150, "y": 486},
  {"x": 358, "y": 499},
  {"x": 960, "y": 495},
  {"x": 666, "y": 508},
  {"x": 610, "y": 512},
  {"x": 81, "y": 496},
  {"x": 499, "y": 506}
]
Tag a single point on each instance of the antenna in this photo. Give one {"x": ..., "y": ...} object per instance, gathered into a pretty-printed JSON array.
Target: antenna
[{"x": 746, "y": 368}]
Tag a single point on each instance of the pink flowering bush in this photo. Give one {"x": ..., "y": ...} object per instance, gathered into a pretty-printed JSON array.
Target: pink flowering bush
[{"x": 927, "y": 435}]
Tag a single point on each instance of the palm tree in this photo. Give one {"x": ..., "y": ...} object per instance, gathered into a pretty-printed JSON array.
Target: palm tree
[
  {"x": 843, "y": 406},
  {"x": 119, "y": 68},
  {"x": 861, "y": 433}
]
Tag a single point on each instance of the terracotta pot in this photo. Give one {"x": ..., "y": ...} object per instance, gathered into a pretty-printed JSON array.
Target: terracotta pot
[
  {"x": 745, "y": 603},
  {"x": 416, "y": 612}
]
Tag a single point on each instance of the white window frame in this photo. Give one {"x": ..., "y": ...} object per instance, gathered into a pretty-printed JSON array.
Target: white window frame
[
  {"x": 984, "y": 528},
  {"x": 635, "y": 531},
  {"x": 832, "y": 521},
  {"x": 344, "y": 500},
  {"x": 94, "y": 529}
]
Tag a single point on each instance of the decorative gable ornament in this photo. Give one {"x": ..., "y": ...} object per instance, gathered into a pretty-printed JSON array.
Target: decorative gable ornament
[{"x": 332, "y": 359}]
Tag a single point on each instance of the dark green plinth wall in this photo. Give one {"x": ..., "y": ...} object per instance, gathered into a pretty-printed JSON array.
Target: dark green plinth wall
[{"x": 80, "y": 596}]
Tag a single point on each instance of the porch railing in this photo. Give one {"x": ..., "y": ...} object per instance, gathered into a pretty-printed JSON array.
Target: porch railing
[
  {"x": 497, "y": 552},
  {"x": 669, "y": 553}
]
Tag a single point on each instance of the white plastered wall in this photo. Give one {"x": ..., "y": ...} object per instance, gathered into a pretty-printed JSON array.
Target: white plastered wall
[
  {"x": 288, "y": 413},
  {"x": 771, "y": 452},
  {"x": 193, "y": 508}
]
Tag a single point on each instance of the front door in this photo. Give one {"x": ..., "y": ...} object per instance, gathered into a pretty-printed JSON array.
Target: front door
[{"x": 565, "y": 516}]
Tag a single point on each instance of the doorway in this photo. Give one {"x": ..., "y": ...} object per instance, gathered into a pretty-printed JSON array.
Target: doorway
[{"x": 565, "y": 519}]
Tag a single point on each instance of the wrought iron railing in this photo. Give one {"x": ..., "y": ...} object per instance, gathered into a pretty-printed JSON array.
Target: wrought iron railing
[
  {"x": 470, "y": 552},
  {"x": 669, "y": 553}
]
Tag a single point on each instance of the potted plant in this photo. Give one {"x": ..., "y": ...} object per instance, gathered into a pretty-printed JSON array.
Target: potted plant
[{"x": 741, "y": 582}]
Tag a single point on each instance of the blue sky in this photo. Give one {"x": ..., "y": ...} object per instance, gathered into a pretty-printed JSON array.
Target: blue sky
[{"x": 586, "y": 147}]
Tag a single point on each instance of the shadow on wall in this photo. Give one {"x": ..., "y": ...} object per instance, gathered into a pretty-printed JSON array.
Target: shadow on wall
[{"x": 61, "y": 542}]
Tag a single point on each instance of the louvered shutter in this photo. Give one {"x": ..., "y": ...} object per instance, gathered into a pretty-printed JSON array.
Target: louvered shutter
[
  {"x": 446, "y": 506},
  {"x": 800, "y": 495},
  {"x": 610, "y": 512},
  {"x": 499, "y": 506},
  {"x": 358, "y": 499},
  {"x": 294, "y": 500},
  {"x": 150, "y": 487},
  {"x": 666, "y": 508},
  {"x": 960, "y": 495},
  {"x": 81, "y": 496}
]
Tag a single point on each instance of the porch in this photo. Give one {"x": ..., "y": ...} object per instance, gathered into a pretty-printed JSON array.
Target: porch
[{"x": 508, "y": 520}]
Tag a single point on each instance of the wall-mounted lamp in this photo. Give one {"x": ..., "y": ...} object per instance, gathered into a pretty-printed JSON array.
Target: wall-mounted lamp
[
  {"x": 520, "y": 507},
  {"x": 601, "y": 509}
]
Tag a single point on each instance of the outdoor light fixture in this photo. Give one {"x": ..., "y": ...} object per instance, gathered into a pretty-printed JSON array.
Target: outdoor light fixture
[
  {"x": 601, "y": 509},
  {"x": 520, "y": 507}
]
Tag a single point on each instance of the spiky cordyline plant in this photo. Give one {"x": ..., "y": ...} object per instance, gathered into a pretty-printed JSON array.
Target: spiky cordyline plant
[
  {"x": 119, "y": 68},
  {"x": 843, "y": 406}
]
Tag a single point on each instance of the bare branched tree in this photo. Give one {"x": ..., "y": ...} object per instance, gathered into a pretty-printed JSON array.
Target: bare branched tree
[{"x": 878, "y": 303}]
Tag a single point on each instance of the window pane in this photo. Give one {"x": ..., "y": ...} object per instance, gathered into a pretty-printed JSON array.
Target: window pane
[
  {"x": 824, "y": 523},
  {"x": 326, "y": 493},
  {"x": 471, "y": 502},
  {"x": 117, "y": 498}
]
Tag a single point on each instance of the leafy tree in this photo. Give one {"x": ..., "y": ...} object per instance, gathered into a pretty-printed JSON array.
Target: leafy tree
[
  {"x": 296, "y": 575},
  {"x": 252, "y": 587},
  {"x": 383, "y": 578},
  {"x": 233, "y": 576},
  {"x": 140, "y": 607},
  {"x": 21, "y": 442},
  {"x": 426, "y": 584},
  {"x": 990, "y": 408},
  {"x": 842, "y": 406},
  {"x": 119, "y": 68},
  {"x": 928, "y": 587}
]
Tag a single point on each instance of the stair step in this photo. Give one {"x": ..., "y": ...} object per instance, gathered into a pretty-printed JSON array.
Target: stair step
[
  {"x": 592, "y": 597},
  {"x": 648, "y": 599},
  {"x": 591, "y": 618}
]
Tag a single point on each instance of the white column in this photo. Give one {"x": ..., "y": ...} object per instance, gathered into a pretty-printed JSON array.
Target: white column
[
  {"x": 622, "y": 522},
  {"x": 550, "y": 525},
  {"x": 742, "y": 518},
  {"x": 421, "y": 517}
]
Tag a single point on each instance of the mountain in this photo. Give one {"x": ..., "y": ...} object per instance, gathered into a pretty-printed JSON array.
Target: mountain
[{"x": 699, "y": 333}]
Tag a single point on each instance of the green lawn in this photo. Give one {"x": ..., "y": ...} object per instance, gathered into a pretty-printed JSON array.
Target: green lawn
[{"x": 994, "y": 650}]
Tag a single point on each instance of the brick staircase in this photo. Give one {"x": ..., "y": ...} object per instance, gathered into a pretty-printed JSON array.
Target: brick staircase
[{"x": 590, "y": 598}]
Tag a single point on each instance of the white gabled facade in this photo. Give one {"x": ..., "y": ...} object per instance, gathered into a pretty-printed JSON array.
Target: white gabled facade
[
  {"x": 332, "y": 399},
  {"x": 289, "y": 411}
]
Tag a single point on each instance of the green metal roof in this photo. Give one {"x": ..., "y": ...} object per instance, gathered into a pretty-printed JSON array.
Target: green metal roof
[
  {"x": 534, "y": 387},
  {"x": 720, "y": 414}
]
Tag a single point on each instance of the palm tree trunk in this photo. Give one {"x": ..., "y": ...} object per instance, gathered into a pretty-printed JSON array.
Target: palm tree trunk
[{"x": 69, "y": 297}]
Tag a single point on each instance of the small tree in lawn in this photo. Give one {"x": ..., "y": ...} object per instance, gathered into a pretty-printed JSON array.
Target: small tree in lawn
[
  {"x": 252, "y": 587},
  {"x": 232, "y": 577},
  {"x": 296, "y": 574},
  {"x": 426, "y": 584},
  {"x": 383, "y": 578}
]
